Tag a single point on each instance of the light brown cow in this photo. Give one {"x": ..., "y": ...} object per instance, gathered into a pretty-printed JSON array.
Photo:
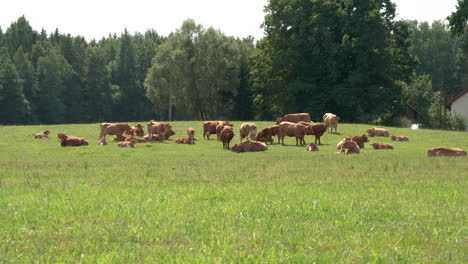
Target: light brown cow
[
  {"x": 135, "y": 139},
  {"x": 350, "y": 147},
  {"x": 381, "y": 146},
  {"x": 250, "y": 146},
  {"x": 312, "y": 147},
  {"x": 209, "y": 128},
  {"x": 379, "y": 132},
  {"x": 226, "y": 136},
  {"x": 331, "y": 121},
  {"x": 42, "y": 135},
  {"x": 248, "y": 130},
  {"x": 266, "y": 134},
  {"x": 360, "y": 140},
  {"x": 137, "y": 130},
  {"x": 183, "y": 140},
  {"x": 293, "y": 118},
  {"x": 191, "y": 135},
  {"x": 71, "y": 141},
  {"x": 127, "y": 144},
  {"x": 114, "y": 129},
  {"x": 220, "y": 126},
  {"x": 450, "y": 152},
  {"x": 294, "y": 130},
  {"x": 400, "y": 138},
  {"x": 158, "y": 128}
]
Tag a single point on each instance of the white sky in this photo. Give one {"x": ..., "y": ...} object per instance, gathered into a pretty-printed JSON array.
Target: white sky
[{"x": 240, "y": 18}]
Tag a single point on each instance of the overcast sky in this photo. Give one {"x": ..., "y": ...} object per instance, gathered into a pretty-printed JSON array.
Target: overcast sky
[{"x": 240, "y": 18}]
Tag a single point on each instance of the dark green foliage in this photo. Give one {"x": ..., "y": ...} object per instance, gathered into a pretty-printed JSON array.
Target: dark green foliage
[{"x": 20, "y": 33}]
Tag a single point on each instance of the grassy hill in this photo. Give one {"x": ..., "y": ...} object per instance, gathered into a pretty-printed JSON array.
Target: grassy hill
[{"x": 163, "y": 202}]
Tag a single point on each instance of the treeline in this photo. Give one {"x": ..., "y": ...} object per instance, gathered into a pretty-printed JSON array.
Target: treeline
[{"x": 348, "y": 57}]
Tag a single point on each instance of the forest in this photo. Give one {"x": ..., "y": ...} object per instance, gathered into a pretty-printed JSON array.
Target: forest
[{"x": 352, "y": 58}]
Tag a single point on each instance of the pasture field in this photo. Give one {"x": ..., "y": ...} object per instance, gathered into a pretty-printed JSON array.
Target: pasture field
[{"x": 168, "y": 203}]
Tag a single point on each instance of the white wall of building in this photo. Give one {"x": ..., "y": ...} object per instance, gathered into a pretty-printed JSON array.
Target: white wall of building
[{"x": 460, "y": 107}]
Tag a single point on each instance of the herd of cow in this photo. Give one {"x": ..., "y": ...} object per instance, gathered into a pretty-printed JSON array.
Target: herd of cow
[{"x": 292, "y": 125}]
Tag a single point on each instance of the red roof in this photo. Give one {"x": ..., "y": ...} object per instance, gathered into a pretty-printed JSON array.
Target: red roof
[{"x": 457, "y": 96}]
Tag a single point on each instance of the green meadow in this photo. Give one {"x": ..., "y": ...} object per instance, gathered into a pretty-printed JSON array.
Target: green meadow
[{"x": 168, "y": 203}]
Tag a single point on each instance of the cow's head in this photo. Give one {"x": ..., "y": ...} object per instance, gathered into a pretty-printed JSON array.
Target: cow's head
[
  {"x": 371, "y": 132},
  {"x": 364, "y": 138},
  {"x": 236, "y": 148},
  {"x": 46, "y": 132},
  {"x": 278, "y": 120},
  {"x": 169, "y": 133},
  {"x": 138, "y": 130},
  {"x": 61, "y": 136},
  {"x": 309, "y": 130}
]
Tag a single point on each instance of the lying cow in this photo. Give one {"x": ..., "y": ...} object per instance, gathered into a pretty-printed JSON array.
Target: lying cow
[
  {"x": 42, "y": 135},
  {"x": 360, "y": 140},
  {"x": 248, "y": 130},
  {"x": 381, "y": 146},
  {"x": 349, "y": 147},
  {"x": 226, "y": 136},
  {"x": 379, "y": 132},
  {"x": 137, "y": 130},
  {"x": 293, "y": 118},
  {"x": 250, "y": 146},
  {"x": 450, "y": 152},
  {"x": 400, "y": 138},
  {"x": 312, "y": 147},
  {"x": 127, "y": 144},
  {"x": 114, "y": 129},
  {"x": 331, "y": 121},
  {"x": 71, "y": 141}
]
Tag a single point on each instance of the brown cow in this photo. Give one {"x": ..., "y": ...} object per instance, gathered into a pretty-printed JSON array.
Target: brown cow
[
  {"x": 41, "y": 135},
  {"x": 317, "y": 130},
  {"x": 71, "y": 141},
  {"x": 293, "y": 118},
  {"x": 380, "y": 132},
  {"x": 248, "y": 130},
  {"x": 183, "y": 140},
  {"x": 226, "y": 136},
  {"x": 127, "y": 144},
  {"x": 249, "y": 146},
  {"x": 220, "y": 126},
  {"x": 266, "y": 134},
  {"x": 191, "y": 135},
  {"x": 400, "y": 138},
  {"x": 312, "y": 147},
  {"x": 158, "y": 128},
  {"x": 209, "y": 128},
  {"x": 114, "y": 129},
  {"x": 450, "y": 152},
  {"x": 102, "y": 142},
  {"x": 381, "y": 146},
  {"x": 331, "y": 121},
  {"x": 137, "y": 140},
  {"x": 119, "y": 138},
  {"x": 349, "y": 147},
  {"x": 294, "y": 130},
  {"x": 360, "y": 140},
  {"x": 138, "y": 130}
]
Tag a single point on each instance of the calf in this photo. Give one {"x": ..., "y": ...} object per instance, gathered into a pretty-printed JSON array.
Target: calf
[
  {"x": 249, "y": 146},
  {"x": 248, "y": 130},
  {"x": 400, "y": 138},
  {"x": 183, "y": 140},
  {"x": 71, "y": 141},
  {"x": 381, "y": 146},
  {"x": 127, "y": 144},
  {"x": 312, "y": 147},
  {"x": 451, "y": 152},
  {"x": 191, "y": 135},
  {"x": 226, "y": 136},
  {"x": 380, "y": 132},
  {"x": 42, "y": 135}
]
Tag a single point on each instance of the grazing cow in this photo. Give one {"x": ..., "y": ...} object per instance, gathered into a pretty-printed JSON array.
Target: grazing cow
[
  {"x": 249, "y": 146},
  {"x": 248, "y": 130},
  {"x": 127, "y": 144},
  {"x": 102, "y": 142},
  {"x": 42, "y": 135},
  {"x": 294, "y": 130},
  {"x": 114, "y": 129},
  {"x": 293, "y": 118},
  {"x": 400, "y": 138},
  {"x": 312, "y": 147},
  {"x": 349, "y": 147},
  {"x": 71, "y": 141},
  {"x": 137, "y": 130},
  {"x": 379, "y": 132},
  {"x": 450, "y": 152},
  {"x": 209, "y": 127},
  {"x": 381, "y": 146},
  {"x": 158, "y": 128},
  {"x": 331, "y": 121},
  {"x": 191, "y": 135},
  {"x": 226, "y": 136},
  {"x": 220, "y": 126}
]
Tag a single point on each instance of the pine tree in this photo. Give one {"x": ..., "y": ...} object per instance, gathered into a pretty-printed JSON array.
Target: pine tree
[{"x": 27, "y": 74}]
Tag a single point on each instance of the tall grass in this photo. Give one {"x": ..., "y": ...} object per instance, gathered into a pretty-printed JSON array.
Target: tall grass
[{"x": 163, "y": 202}]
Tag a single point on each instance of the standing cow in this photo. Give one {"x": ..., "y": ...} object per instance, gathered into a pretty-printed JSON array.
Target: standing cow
[
  {"x": 331, "y": 121},
  {"x": 158, "y": 128},
  {"x": 248, "y": 130},
  {"x": 114, "y": 129}
]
